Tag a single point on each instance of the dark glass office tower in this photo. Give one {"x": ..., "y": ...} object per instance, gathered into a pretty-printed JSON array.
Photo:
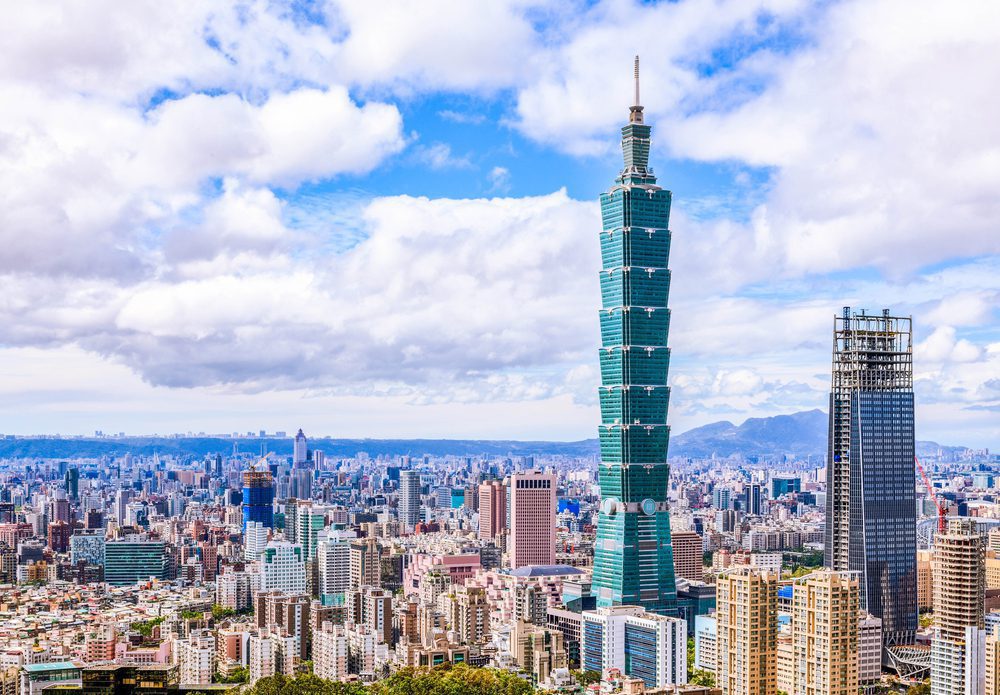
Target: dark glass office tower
[
  {"x": 633, "y": 558},
  {"x": 870, "y": 473}
]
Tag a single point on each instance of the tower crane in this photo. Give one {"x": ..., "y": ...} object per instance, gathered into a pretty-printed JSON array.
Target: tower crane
[{"x": 942, "y": 510}]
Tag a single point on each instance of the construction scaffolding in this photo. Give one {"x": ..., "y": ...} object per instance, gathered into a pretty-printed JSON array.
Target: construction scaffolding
[
  {"x": 870, "y": 353},
  {"x": 871, "y": 505}
]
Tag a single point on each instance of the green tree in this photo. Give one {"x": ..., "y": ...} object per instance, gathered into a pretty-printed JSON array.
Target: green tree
[
  {"x": 239, "y": 675},
  {"x": 586, "y": 678},
  {"x": 452, "y": 680},
  {"x": 701, "y": 677},
  {"x": 220, "y": 612},
  {"x": 145, "y": 627},
  {"x": 922, "y": 688}
]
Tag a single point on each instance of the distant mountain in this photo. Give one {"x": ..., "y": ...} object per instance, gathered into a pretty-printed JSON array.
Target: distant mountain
[
  {"x": 798, "y": 434},
  {"x": 199, "y": 447}
]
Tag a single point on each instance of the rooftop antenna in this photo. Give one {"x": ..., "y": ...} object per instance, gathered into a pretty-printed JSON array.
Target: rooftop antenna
[
  {"x": 635, "y": 111},
  {"x": 636, "y": 80}
]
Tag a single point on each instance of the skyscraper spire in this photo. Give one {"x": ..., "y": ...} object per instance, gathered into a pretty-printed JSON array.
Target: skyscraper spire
[
  {"x": 633, "y": 554},
  {"x": 635, "y": 111}
]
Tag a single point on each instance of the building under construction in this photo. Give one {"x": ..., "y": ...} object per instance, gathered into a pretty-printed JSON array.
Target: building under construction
[
  {"x": 870, "y": 499},
  {"x": 258, "y": 497}
]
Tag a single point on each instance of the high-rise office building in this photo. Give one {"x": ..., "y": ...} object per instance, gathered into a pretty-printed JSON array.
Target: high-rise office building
[
  {"x": 72, "y": 482},
  {"x": 87, "y": 545},
  {"x": 720, "y": 498},
  {"x": 310, "y": 520},
  {"x": 532, "y": 538},
  {"x": 689, "y": 555},
  {"x": 365, "y": 557},
  {"x": 640, "y": 644},
  {"x": 785, "y": 486},
  {"x": 283, "y": 568},
  {"x": 959, "y": 596},
  {"x": 752, "y": 499},
  {"x": 300, "y": 449},
  {"x": 122, "y": 497},
  {"x": 134, "y": 559},
  {"x": 825, "y": 634},
  {"x": 746, "y": 632},
  {"x": 492, "y": 509},
  {"x": 633, "y": 563},
  {"x": 255, "y": 538},
  {"x": 258, "y": 497},
  {"x": 409, "y": 499},
  {"x": 333, "y": 560},
  {"x": 300, "y": 483},
  {"x": 870, "y": 496}
]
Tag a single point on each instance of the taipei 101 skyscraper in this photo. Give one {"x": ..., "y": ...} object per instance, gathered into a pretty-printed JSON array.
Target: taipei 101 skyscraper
[{"x": 634, "y": 562}]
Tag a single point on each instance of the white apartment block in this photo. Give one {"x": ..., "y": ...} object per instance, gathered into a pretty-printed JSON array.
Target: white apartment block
[
  {"x": 283, "y": 568},
  {"x": 195, "y": 658},
  {"x": 329, "y": 652},
  {"x": 254, "y": 540},
  {"x": 657, "y": 644}
]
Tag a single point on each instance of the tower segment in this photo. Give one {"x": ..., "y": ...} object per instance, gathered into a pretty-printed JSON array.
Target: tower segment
[{"x": 633, "y": 557}]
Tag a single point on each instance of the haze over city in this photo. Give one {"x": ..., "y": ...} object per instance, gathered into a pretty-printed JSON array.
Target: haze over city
[
  {"x": 594, "y": 347},
  {"x": 381, "y": 220}
]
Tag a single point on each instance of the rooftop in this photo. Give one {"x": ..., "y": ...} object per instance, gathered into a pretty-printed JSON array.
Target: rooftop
[{"x": 546, "y": 571}]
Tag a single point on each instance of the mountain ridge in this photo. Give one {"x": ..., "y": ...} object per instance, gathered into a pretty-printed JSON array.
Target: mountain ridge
[{"x": 798, "y": 434}]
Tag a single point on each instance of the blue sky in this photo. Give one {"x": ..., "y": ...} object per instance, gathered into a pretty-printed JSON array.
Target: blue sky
[{"x": 381, "y": 221}]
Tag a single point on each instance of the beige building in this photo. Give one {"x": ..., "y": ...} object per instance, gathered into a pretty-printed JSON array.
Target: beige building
[
  {"x": 365, "y": 563},
  {"x": 992, "y": 570},
  {"x": 993, "y": 540},
  {"x": 825, "y": 634},
  {"x": 992, "y": 685},
  {"x": 688, "y": 555},
  {"x": 470, "y": 614},
  {"x": 925, "y": 580},
  {"x": 537, "y": 649},
  {"x": 746, "y": 615},
  {"x": 959, "y": 596},
  {"x": 785, "y": 667}
]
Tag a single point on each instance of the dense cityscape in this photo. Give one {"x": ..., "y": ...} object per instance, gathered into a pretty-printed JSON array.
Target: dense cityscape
[
  {"x": 623, "y": 570},
  {"x": 353, "y": 348}
]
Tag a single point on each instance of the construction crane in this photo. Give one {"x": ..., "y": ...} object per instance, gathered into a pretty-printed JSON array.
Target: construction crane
[{"x": 942, "y": 510}]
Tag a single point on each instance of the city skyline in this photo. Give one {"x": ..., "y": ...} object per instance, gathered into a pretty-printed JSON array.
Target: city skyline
[
  {"x": 193, "y": 244},
  {"x": 633, "y": 555}
]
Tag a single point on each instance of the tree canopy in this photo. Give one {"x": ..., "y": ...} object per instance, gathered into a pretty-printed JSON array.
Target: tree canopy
[{"x": 440, "y": 680}]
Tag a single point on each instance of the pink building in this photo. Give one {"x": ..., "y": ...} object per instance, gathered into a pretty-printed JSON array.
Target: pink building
[
  {"x": 532, "y": 519},
  {"x": 458, "y": 567},
  {"x": 492, "y": 509}
]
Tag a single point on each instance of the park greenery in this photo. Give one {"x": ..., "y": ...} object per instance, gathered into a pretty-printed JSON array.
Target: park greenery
[
  {"x": 238, "y": 675},
  {"x": 145, "y": 627},
  {"x": 440, "y": 680}
]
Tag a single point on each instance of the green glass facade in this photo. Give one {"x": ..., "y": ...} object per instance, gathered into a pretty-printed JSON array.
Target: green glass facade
[
  {"x": 633, "y": 557},
  {"x": 134, "y": 561}
]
